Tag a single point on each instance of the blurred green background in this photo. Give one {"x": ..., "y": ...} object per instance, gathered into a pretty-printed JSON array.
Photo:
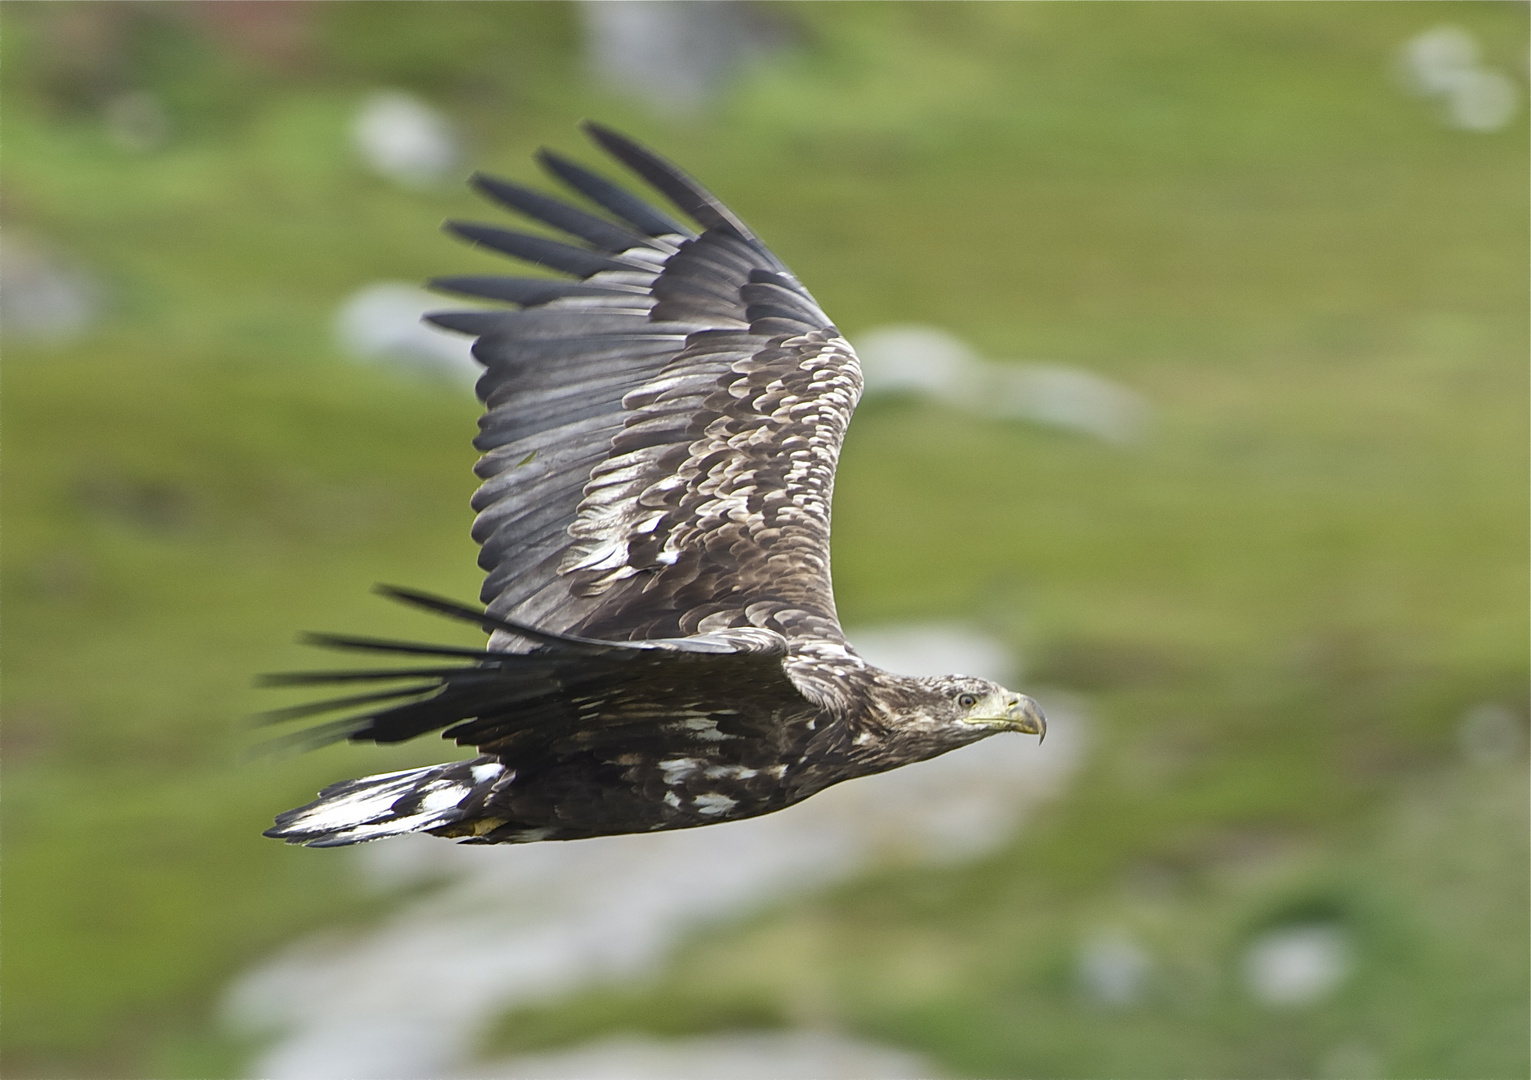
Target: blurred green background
[{"x": 1290, "y": 610}]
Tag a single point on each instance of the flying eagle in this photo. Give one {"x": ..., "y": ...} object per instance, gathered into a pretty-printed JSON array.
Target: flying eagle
[{"x": 659, "y": 443}]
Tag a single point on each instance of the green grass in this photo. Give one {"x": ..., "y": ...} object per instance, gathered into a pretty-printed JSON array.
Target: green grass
[{"x": 1279, "y": 607}]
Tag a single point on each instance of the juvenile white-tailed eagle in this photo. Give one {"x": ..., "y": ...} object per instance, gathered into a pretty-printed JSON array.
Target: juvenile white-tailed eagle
[{"x": 659, "y": 437}]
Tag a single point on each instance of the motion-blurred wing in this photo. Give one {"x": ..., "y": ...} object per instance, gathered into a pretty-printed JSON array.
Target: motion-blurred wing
[
  {"x": 661, "y": 431},
  {"x": 597, "y": 736}
]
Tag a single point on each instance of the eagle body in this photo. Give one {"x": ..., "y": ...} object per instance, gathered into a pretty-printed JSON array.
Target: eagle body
[{"x": 660, "y": 437}]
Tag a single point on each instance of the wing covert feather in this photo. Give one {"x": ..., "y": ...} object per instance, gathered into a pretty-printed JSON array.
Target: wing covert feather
[{"x": 660, "y": 438}]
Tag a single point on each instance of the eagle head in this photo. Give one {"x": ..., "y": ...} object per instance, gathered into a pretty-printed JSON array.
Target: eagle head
[
  {"x": 930, "y": 715},
  {"x": 972, "y": 704}
]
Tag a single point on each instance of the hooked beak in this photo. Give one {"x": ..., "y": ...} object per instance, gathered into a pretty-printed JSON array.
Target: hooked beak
[{"x": 1025, "y": 715}]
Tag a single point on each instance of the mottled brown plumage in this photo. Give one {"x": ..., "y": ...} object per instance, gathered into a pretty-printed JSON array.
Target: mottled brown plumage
[{"x": 659, "y": 449}]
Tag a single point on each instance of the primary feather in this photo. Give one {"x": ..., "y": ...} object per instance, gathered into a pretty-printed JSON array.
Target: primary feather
[{"x": 659, "y": 448}]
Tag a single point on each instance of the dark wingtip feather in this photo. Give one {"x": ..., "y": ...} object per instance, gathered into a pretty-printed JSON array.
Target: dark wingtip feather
[
  {"x": 604, "y": 234},
  {"x": 603, "y": 192},
  {"x": 528, "y": 292},
  {"x": 367, "y": 644},
  {"x": 312, "y": 678},
  {"x": 314, "y": 708},
  {"x": 472, "y": 323},
  {"x": 539, "y": 250},
  {"x": 485, "y": 621},
  {"x": 678, "y": 186},
  {"x": 298, "y": 742}
]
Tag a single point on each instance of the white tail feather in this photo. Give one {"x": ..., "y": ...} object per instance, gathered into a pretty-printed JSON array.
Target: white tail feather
[{"x": 359, "y": 810}]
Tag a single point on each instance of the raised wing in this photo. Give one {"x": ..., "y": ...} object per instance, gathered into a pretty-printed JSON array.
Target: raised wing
[{"x": 662, "y": 431}]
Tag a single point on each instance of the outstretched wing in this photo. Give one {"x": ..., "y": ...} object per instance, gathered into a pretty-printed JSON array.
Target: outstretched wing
[
  {"x": 585, "y": 737},
  {"x": 662, "y": 430}
]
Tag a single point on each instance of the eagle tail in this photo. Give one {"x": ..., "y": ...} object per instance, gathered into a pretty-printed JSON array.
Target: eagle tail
[{"x": 389, "y": 804}]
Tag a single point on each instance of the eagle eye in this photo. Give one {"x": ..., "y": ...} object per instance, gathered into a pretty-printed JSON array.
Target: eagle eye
[{"x": 967, "y": 701}]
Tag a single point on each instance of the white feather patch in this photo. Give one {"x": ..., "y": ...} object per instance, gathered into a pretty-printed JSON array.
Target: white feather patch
[
  {"x": 377, "y": 830},
  {"x": 730, "y": 772},
  {"x": 362, "y": 806},
  {"x": 677, "y": 769},
  {"x": 444, "y": 796},
  {"x": 713, "y": 804},
  {"x": 482, "y": 773}
]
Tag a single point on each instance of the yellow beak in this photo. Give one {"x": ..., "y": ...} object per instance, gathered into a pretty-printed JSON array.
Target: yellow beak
[{"x": 1025, "y": 715}]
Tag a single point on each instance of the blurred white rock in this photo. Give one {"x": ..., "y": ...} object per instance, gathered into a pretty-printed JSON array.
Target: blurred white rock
[
  {"x": 928, "y": 360},
  {"x": 934, "y": 649},
  {"x": 138, "y": 121},
  {"x": 789, "y": 1055},
  {"x": 905, "y": 358},
  {"x": 1491, "y": 733},
  {"x": 1444, "y": 63},
  {"x": 1432, "y": 62},
  {"x": 1113, "y": 969},
  {"x": 1067, "y": 397},
  {"x": 380, "y": 323},
  {"x": 43, "y": 300},
  {"x": 1483, "y": 100},
  {"x": 511, "y": 925},
  {"x": 674, "y": 55},
  {"x": 404, "y": 140},
  {"x": 1297, "y": 965}
]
